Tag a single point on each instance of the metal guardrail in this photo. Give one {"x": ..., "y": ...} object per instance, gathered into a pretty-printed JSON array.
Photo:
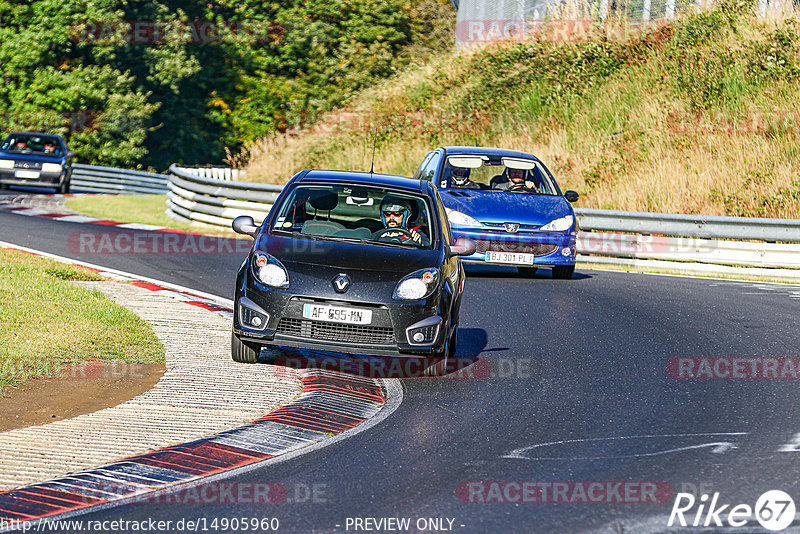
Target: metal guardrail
[
  {"x": 702, "y": 226},
  {"x": 217, "y": 173},
  {"x": 702, "y": 239},
  {"x": 95, "y": 179},
  {"x": 215, "y": 201},
  {"x": 690, "y": 249}
]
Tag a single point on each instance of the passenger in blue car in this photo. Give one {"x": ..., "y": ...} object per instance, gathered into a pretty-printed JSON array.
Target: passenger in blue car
[{"x": 460, "y": 179}]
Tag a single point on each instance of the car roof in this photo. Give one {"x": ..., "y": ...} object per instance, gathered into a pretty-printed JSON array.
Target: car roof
[
  {"x": 488, "y": 151},
  {"x": 365, "y": 178}
]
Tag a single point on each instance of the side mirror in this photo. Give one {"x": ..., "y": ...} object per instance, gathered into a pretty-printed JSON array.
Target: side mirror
[
  {"x": 571, "y": 196},
  {"x": 244, "y": 224},
  {"x": 462, "y": 247},
  {"x": 70, "y": 154}
]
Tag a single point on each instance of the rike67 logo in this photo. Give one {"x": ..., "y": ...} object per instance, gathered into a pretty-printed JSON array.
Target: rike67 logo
[{"x": 774, "y": 511}]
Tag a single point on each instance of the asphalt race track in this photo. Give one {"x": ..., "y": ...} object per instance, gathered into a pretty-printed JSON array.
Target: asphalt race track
[{"x": 578, "y": 393}]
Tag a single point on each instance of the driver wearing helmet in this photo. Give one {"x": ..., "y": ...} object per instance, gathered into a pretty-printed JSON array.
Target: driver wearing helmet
[
  {"x": 516, "y": 181},
  {"x": 461, "y": 179},
  {"x": 395, "y": 212}
]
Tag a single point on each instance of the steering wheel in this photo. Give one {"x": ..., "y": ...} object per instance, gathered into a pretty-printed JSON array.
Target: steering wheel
[
  {"x": 406, "y": 237},
  {"x": 521, "y": 188}
]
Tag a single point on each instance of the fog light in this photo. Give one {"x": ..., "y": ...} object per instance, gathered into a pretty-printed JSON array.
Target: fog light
[
  {"x": 251, "y": 315},
  {"x": 424, "y": 335},
  {"x": 566, "y": 251}
]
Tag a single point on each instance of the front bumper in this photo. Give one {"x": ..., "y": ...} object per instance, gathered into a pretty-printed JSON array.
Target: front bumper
[
  {"x": 387, "y": 334},
  {"x": 45, "y": 179},
  {"x": 548, "y": 248}
]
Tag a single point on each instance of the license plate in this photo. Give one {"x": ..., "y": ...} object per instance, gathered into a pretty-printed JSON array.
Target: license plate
[
  {"x": 337, "y": 314},
  {"x": 27, "y": 174},
  {"x": 517, "y": 258}
]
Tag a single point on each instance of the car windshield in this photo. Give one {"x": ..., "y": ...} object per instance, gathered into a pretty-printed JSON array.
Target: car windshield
[
  {"x": 32, "y": 143},
  {"x": 356, "y": 213},
  {"x": 495, "y": 173}
]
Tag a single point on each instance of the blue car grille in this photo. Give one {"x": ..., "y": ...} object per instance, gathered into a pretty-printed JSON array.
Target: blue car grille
[
  {"x": 343, "y": 333},
  {"x": 36, "y": 165},
  {"x": 537, "y": 249}
]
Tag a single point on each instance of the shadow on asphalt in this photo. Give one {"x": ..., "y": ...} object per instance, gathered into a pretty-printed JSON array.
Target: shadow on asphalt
[
  {"x": 465, "y": 364},
  {"x": 500, "y": 271}
]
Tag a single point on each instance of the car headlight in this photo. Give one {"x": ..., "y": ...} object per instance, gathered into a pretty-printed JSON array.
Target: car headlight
[
  {"x": 51, "y": 167},
  {"x": 461, "y": 219},
  {"x": 6, "y": 163},
  {"x": 416, "y": 285},
  {"x": 269, "y": 271},
  {"x": 560, "y": 224}
]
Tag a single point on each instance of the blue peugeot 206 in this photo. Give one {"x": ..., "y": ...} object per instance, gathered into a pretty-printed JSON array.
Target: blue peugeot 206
[{"x": 509, "y": 204}]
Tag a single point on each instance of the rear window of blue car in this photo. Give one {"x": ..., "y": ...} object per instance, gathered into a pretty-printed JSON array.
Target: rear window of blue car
[{"x": 371, "y": 215}]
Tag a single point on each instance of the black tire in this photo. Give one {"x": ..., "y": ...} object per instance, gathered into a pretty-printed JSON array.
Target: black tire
[
  {"x": 563, "y": 272},
  {"x": 438, "y": 365},
  {"x": 64, "y": 187},
  {"x": 527, "y": 271},
  {"x": 244, "y": 351}
]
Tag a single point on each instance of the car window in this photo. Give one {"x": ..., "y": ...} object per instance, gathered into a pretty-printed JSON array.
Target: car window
[
  {"x": 345, "y": 212},
  {"x": 446, "y": 231},
  {"x": 425, "y": 160},
  {"x": 429, "y": 171},
  {"x": 33, "y": 143},
  {"x": 491, "y": 173}
]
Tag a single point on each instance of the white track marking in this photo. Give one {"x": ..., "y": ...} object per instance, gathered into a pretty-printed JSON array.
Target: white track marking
[{"x": 718, "y": 446}]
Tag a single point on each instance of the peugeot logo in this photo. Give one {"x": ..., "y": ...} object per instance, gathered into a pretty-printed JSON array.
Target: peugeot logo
[
  {"x": 512, "y": 227},
  {"x": 341, "y": 283}
]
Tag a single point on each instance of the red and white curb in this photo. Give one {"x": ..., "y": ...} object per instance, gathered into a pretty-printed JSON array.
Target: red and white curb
[
  {"x": 7, "y": 205},
  {"x": 330, "y": 406}
]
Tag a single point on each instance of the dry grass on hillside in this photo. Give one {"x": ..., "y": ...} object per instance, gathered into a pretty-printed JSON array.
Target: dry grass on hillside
[{"x": 630, "y": 141}]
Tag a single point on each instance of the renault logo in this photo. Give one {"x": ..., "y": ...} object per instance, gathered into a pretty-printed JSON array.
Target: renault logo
[
  {"x": 341, "y": 283},
  {"x": 512, "y": 227}
]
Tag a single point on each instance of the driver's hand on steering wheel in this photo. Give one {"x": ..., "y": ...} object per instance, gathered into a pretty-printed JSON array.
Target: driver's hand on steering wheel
[{"x": 415, "y": 235}]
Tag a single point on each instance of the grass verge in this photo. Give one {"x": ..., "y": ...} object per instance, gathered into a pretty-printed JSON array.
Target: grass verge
[
  {"x": 142, "y": 209},
  {"x": 46, "y": 322}
]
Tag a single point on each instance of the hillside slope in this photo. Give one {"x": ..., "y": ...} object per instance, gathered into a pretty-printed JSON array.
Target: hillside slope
[{"x": 698, "y": 116}]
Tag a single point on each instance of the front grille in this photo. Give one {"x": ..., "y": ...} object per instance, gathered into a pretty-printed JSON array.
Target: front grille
[
  {"x": 33, "y": 165},
  {"x": 344, "y": 333},
  {"x": 537, "y": 249}
]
